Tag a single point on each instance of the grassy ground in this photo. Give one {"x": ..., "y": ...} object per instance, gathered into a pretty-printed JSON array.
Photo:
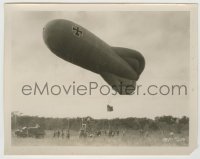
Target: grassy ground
[{"x": 131, "y": 138}]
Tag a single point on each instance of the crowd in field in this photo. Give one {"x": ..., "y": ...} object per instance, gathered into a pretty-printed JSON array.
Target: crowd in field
[
  {"x": 173, "y": 138},
  {"x": 61, "y": 133},
  {"x": 168, "y": 138},
  {"x": 109, "y": 133},
  {"x": 83, "y": 134}
]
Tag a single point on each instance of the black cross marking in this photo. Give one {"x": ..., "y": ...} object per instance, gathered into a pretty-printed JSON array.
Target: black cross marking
[{"x": 77, "y": 30}]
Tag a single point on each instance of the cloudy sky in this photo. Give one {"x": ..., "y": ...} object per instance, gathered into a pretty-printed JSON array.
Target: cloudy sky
[{"x": 162, "y": 38}]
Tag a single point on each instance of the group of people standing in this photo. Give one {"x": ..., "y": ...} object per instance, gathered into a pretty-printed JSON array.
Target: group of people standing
[{"x": 61, "y": 133}]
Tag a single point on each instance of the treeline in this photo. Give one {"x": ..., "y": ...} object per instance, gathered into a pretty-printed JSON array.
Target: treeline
[{"x": 131, "y": 123}]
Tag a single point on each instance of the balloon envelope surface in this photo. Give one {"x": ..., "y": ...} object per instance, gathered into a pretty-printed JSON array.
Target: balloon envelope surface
[{"x": 79, "y": 46}]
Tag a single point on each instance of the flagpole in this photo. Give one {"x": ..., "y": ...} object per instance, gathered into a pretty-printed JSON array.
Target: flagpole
[
  {"x": 108, "y": 124},
  {"x": 109, "y": 109},
  {"x": 109, "y": 100}
]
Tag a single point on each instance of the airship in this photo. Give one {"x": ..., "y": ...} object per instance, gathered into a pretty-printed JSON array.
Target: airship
[{"x": 119, "y": 67}]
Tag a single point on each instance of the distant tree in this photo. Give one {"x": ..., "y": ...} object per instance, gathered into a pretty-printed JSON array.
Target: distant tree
[
  {"x": 166, "y": 119},
  {"x": 184, "y": 120}
]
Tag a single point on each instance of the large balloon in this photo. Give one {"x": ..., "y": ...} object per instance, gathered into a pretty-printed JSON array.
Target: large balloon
[{"x": 119, "y": 67}]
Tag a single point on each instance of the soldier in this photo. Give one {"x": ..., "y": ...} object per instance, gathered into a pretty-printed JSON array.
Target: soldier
[
  {"x": 68, "y": 135},
  {"x": 105, "y": 132},
  {"x": 110, "y": 133},
  {"x": 58, "y": 133},
  {"x": 123, "y": 133},
  {"x": 82, "y": 134},
  {"x": 141, "y": 131},
  {"x": 113, "y": 133},
  {"x": 98, "y": 133},
  {"x": 54, "y": 133},
  {"x": 62, "y": 133},
  {"x": 117, "y": 132}
]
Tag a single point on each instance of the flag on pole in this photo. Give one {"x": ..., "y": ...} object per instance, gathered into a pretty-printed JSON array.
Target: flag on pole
[{"x": 109, "y": 108}]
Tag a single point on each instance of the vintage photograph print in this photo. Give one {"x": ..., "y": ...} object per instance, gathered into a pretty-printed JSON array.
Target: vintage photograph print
[{"x": 100, "y": 79}]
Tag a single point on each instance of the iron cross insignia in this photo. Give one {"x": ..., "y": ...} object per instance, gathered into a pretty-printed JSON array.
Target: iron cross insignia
[{"x": 77, "y": 31}]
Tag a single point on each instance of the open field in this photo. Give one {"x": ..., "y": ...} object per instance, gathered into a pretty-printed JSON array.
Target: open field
[{"x": 131, "y": 138}]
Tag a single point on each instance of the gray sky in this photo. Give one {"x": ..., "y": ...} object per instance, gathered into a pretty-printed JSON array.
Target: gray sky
[{"x": 162, "y": 37}]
